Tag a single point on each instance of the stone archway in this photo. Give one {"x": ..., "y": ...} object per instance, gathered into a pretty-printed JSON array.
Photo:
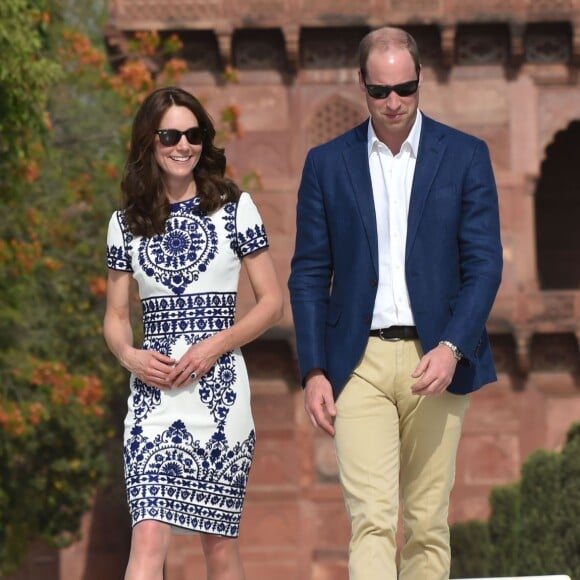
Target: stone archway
[{"x": 557, "y": 212}]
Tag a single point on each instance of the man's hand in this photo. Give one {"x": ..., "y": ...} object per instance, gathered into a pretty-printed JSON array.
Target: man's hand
[
  {"x": 319, "y": 402},
  {"x": 436, "y": 369}
]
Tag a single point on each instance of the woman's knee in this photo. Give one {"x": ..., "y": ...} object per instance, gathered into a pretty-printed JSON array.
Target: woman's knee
[
  {"x": 220, "y": 550},
  {"x": 151, "y": 536}
]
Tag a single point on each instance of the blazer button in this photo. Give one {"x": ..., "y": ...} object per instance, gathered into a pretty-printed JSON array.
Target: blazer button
[
  {"x": 374, "y": 282},
  {"x": 367, "y": 319}
]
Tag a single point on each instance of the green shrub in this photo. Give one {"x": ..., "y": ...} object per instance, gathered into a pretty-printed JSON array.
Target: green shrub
[
  {"x": 569, "y": 511},
  {"x": 50, "y": 456},
  {"x": 470, "y": 549},
  {"x": 540, "y": 550},
  {"x": 504, "y": 529}
]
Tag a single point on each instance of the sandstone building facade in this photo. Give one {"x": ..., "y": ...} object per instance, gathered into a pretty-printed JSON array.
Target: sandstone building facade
[{"x": 505, "y": 70}]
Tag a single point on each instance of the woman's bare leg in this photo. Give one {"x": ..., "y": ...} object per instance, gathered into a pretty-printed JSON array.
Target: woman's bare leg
[
  {"x": 222, "y": 557},
  {"x": 149, "y": 546}
]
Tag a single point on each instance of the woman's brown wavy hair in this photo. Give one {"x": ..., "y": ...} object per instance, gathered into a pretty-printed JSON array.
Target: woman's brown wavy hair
[{"x": 144, "y": 201}]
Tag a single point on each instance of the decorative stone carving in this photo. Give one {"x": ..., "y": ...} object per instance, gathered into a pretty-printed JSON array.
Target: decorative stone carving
[
  {"x": 429, "y": 42},
  {"x": 224, "y": 38},
  {"x": 557, "y": 306},
  {"x": 482, "y": 45},
  {"x": 549, "y": 6},
  {"x": 554, "y": 352},
  {"x": 166, "y": 11},
  {"x": 416, "y": 6},
  {"x": 259, "y": 50},
  {"x": 336, "y": 116},
  {"x": 489, "y": 6},
  {"x": 292, "y": 39},
  {"x": 448, "y": 34},
  {"x": 200, "y": 50},
  {"x": 548, "y": 44},
  {"x": 327, "y": 8},
  {"x": 504, "y": 353},
  {"x": 330, "y": 47},
  {"x": 523, "y": 340},
  {"x": 263, "y": 9},
  {"x": 517, "y": 44}
]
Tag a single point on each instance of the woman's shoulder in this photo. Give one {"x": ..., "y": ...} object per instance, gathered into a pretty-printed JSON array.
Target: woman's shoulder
[
  {"x": 243, "y": 200},
  {"x": 118, "y": 221}
]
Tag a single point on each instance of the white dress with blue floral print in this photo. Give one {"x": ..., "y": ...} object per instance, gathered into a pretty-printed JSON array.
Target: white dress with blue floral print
[{"x": 188, "y": 451}]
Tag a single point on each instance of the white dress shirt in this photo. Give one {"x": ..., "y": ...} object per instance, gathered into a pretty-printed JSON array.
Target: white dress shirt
[{"x": 392, "y": 179}]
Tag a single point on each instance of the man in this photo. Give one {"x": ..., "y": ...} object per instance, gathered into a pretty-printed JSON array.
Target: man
[{"x": 397, "y": 263}]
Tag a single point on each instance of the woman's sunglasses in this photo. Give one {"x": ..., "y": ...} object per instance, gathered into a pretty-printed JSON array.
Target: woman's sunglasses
[
  {"x": 171, "y": 137},
  {"x": 383, "y": 91}
]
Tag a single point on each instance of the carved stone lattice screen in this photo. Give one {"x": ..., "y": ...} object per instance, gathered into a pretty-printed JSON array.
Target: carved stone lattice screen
[
  {"x": 556, "y": 352},
  {"x": 335, "y": 116},
  {"x": 548, "y": 43},
  {"x": 428, "y": 40},
  {"x": 482, "y": 44},
  {"x": 328, "y": 48},
  {"x": 200, "y": 49},
  {"x": 259, "y": 49}
]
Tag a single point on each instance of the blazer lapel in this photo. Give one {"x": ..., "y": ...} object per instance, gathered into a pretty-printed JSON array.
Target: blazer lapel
[
  {"x": 356, "y": 161},
  {"x": 431, "y": 148}
]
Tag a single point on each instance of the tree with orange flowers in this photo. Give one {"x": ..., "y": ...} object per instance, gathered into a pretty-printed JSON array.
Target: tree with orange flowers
[
  {"x": 53, "y": 404},
  {"x": 63, "y": 134},
  {"x": 65, "y": 116},
  {"x": 25, "y": 74}
]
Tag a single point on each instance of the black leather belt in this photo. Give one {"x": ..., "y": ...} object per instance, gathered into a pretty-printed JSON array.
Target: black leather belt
[{"x": 396, "y": 333}]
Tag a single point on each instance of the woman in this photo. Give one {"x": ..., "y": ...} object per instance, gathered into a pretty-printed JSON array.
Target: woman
[{"x": 182, "y": 235}]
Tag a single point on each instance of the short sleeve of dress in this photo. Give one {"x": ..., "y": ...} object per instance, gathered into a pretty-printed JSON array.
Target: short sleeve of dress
[
  {"x": 118, "y": 257},
  {"x": 250, "y": 231}
]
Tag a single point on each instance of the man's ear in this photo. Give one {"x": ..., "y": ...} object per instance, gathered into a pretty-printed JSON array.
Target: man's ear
[{"x": 361, "y": 81}]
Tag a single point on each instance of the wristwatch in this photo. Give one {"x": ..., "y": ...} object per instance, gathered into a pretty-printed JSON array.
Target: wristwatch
[{"x": 456, "y": 352}]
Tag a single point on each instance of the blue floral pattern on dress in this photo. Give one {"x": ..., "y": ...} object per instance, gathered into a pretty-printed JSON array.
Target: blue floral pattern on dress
[
  {"x": 118, "y": 257},
  {"x": 188, "y": 452},
  {"x": 177, "y": 257},
  {"x": 216, "y": 389},
  {"x": 145, "y": 398},
  {"x": 243, "y": 242},
  {"x": 170, "y": 478}
]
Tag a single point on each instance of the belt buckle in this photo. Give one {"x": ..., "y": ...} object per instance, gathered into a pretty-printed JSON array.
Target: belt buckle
[{"x": 385, "y": 338}]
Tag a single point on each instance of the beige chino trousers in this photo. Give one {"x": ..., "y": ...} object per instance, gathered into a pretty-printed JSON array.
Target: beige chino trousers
[{"x": 386, "y": 435}]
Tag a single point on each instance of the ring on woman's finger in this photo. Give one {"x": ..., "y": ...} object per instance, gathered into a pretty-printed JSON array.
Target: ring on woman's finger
[{"x": 193, "y": 375}]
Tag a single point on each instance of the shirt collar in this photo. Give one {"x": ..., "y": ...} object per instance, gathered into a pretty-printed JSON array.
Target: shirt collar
[{"x": 412, "y": 140}]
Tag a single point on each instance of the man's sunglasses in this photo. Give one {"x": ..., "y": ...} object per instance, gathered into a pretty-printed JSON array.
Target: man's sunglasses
[
  {"x": 383, "y": 91},
  {"x": 171, "y": 137}
]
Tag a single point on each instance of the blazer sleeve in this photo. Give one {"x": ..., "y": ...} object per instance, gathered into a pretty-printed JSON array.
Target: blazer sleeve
[
  {"x": 480, "y": 254},
  {"x": 311, "y": 271}
]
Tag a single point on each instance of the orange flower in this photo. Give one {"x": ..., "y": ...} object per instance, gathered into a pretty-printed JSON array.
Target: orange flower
[
  {"x": 32, "y": 171},
  {"x": 98, "y": 285},
  {"x": 53, "y": 264},
  {"x": 12, "y": 420},
  {"x": 36, "y": 413}
]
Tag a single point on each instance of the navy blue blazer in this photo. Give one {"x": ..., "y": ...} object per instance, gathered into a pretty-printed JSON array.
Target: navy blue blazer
[{"x": 453, "y": 256}]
